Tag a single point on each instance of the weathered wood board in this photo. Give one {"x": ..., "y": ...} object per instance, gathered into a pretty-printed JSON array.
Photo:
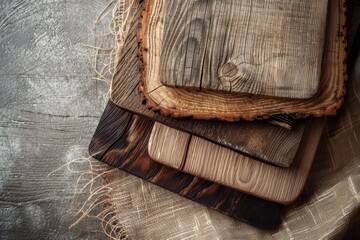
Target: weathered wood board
[
  {"x": 234, "y": 106},
  {"x": 260, "y": 47},
  {"x": 207, "y": 160},
  {"x": 121, "y": 140},
  {"x": 249, "y": 138}
]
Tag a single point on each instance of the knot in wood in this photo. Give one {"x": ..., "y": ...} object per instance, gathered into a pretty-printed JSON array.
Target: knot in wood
[{"x": 229, "y": 70}]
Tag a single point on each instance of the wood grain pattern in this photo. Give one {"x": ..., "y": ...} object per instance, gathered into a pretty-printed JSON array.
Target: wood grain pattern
[
  {"x": 249, "y": 138},
  {"x": 121, "y": 140},
  {"x": 232, "y": 106},
  {"x": 269, "y": 48},
  {"x": 221, "y": 165},
  {"x": 169, "y": 144}
]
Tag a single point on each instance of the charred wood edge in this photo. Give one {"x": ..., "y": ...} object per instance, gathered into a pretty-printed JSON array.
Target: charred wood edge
[
  {"x": 282, "y": 120},
  {"x": 129, "y": 153},
  {"x": 331, "y": 110}
]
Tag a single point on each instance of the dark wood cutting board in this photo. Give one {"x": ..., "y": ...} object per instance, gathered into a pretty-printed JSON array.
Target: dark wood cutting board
[
  {"x": 257, "y": 139},
  {"x": 271, "y": 48},
  {"x": 121, "y": 140}
]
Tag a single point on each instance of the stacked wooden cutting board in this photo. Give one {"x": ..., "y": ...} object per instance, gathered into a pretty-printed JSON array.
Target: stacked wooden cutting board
[{"x": 223, "y": 102}]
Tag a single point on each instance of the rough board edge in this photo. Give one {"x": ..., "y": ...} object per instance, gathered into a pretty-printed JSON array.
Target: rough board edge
[{"x": 231, "y": 117}]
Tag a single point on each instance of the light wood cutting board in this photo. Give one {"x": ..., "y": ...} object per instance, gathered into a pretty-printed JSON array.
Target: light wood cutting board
[
  {"x": 261, "y": 47},
  {"x": 207, "y": 160},
  {"x": 181, "y": 102}
]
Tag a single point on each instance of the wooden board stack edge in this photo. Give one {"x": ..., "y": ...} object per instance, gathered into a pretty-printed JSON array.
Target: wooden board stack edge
[
  {"x": 207, "y": 160},
  {"x": 205, "y": 105},
  {"x": 121, "y": 140}
]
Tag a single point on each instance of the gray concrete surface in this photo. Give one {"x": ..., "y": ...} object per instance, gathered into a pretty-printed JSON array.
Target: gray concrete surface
[{"x": 49, "y": 104}]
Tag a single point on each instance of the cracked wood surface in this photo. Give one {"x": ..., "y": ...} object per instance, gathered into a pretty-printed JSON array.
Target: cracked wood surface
[
  {"x": 269, "y": 48},
  {"x": 234, "y": 106}
]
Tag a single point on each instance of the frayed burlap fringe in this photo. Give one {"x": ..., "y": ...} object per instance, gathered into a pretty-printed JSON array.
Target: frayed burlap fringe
[
  {"x": 110, "y": 30},
  {"x": 98, "y": 203}
]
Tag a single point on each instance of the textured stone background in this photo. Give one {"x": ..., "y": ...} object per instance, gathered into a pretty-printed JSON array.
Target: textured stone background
[{"x": 50, "y": 104}]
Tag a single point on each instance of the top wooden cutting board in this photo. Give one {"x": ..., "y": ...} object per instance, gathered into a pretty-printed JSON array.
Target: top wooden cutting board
[
  {"x": 270, "y": 47},
  {"x": 227, "y": 106}
]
